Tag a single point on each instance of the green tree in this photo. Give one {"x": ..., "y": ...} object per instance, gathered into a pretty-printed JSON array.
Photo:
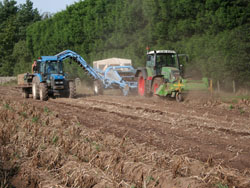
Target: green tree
[
  {"x": 26, "y": 15},
  {"x": 13, "y": 23},
  {"x": 22, "y": 58},
  {"x": 214, "y": 33}
]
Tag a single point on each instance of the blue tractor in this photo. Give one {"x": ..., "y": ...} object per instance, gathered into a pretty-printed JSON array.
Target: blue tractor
[{"x": 49, "y": 78}]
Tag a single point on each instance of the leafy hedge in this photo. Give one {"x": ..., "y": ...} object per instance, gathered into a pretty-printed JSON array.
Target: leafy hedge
[{"x": 214, "y": 33}]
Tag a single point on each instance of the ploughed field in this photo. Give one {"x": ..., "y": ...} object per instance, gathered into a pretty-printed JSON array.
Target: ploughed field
[{"x": 116, "y": 141}]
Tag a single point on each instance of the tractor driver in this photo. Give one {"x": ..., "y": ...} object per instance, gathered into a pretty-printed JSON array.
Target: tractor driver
[{"x": 50, "y": 68}]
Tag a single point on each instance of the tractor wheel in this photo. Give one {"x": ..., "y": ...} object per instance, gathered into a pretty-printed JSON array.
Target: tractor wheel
[
  {"x": 25, "y": 94},
  {"x": 72, "y": 90},
  {"x": 178, "y": 97},
  {"x": 35, "y": 88},
  {"x": 141, "y": 85},
  {"x": 43, "y": 90},
  {"x": 156, "y": 84},
  {"x": 98, "y": 88}
]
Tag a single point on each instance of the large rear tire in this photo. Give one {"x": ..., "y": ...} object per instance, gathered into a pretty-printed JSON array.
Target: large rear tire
[
  {"x": 72, "y": 90},
  {"x": 35, "y": 88},
  {"x": 98, "y": 88},
  {"x": 43, "y": 91},
  {"x": 141, "y": 85}
]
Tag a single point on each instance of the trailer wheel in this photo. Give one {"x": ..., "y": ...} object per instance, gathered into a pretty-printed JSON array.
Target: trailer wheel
[
  {"x": 141, "y": 85},
  {"x": 98, "y": 89},
  {"x": 25, "y": 94},
  {"x": 35, "y": 88},
  {"x": 72, "y": 90},
  {"x": 178, "y": 97},
  {"x": 43, "y": 90}
]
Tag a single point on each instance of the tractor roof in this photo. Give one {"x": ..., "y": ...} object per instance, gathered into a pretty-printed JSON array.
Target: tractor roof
[{"x": 162, "y": 52}]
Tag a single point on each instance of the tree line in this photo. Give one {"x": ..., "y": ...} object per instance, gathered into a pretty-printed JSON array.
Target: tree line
[{"x": 214, "y": 33}]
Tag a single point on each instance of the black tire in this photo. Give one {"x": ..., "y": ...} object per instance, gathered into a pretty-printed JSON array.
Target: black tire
[
  {"x": 35, "y": 88},
  {"x": 178, "y": 97},
  {"x": 43, "y": 91},
  {"x": 25, "y": 94},
  {"x": 142, "y": 89},
  {"x": 98, "y": 88},
  {"x": 65, "y": 92},
  {"x": 72, "y": 90}
]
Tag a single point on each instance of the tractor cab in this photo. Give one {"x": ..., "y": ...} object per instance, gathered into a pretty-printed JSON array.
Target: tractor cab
[
  {"x": 163, "y": 63},
  {"x": 48, "y": 65},
  {"x": 51, "y": 71},
  {"x": 162, "y": 58}
]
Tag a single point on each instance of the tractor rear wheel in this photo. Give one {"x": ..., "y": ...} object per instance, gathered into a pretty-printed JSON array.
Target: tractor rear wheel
[
  {"x": 141, "y": 85},
  {"x": 98, "y": 89},
  {"x": 72, "y": 90},
  {"x": 35, "y": 88},
  {"x": 43, "y": 91}
]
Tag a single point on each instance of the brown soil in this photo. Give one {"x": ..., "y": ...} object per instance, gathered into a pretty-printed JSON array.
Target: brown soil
[{"x": 116, "y": 141}]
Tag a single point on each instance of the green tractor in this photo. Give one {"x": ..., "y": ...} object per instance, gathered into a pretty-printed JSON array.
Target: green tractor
[{"x": 162, "y": 75}]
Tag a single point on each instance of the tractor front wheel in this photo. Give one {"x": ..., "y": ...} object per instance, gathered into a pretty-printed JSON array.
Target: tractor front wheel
[
  {"x": 178, "y": 97},
  {"x": 43, "y": 91},
  {"x": 141, "y": 85},
  {"x": 35, "y": 88}
]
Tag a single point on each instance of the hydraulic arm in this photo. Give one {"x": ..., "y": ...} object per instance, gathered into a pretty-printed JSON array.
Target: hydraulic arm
[
  {"x": 109, "y": 78},
  {"x": 77, "y": 58}
]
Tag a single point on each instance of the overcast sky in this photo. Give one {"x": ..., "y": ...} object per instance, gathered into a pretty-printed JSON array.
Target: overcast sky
[{"x": 51, "y": 6}]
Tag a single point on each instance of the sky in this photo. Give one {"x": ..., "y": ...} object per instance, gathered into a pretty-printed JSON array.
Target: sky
[{"x": 51, "y": 6}]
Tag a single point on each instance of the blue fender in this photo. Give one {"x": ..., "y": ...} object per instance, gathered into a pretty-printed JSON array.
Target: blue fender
[{"x": 39, "y": 76}]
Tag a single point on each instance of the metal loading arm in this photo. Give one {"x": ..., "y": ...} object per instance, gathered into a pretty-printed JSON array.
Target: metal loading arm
[{"x": 82, "y": 63}]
